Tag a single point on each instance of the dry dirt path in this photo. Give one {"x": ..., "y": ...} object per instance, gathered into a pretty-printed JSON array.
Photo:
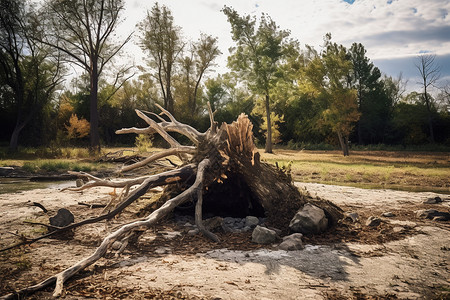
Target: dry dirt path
[{"x": 416, "y": 266}]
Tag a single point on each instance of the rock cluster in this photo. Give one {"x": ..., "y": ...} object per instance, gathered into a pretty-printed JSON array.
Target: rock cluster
[
  {"x": 310, "y": 219},
  {"x": 227, "y": 224}
]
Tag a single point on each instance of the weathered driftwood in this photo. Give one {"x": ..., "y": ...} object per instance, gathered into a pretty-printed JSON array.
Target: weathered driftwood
[{"x": 220, "y": 158}]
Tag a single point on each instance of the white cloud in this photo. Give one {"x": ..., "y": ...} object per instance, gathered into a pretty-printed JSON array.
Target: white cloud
[{"x": 387, "y": 29}]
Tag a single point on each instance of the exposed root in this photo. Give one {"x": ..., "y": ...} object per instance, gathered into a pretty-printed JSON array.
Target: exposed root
[{"x": 119, "y": 234}]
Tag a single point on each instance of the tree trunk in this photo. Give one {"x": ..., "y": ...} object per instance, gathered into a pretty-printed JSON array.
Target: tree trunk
[
  {"x": 343, "y": 141},
  {"x": 430, "y": 119},
  {"x": 268, "y": 148},
  {"x": 14, "y": 141},
  {"x": 93, "y": 98}
]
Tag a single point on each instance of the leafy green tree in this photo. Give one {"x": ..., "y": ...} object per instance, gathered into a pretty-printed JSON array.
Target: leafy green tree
[
  {"x": 28, "y": 70},
  {"x": 373, "y": 104},
  {"x": 328, "y": 76},
  {"x": 83, "y": 30},
  {"x": 162, "y": 40},
  {"x": 191, "y": 70},
  {"x": 229, "y": 98},
  {"x": 260, "y": 51}
]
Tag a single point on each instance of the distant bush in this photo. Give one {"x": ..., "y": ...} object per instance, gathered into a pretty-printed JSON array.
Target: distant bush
[
  {"x": 308, "y": 146},
  {"x": 143, "y": 143}
]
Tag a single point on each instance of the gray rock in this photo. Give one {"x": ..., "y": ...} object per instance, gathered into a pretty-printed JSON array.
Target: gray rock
[
  {"x": 262, "y": 235},
  {"x": 228, "y": 220},
  {"x": 193, "y": 231},
  {"x": 278, "y": 231},
  {"x": 433, "y": 214},
  {"x": 251, "y": 221},
  {"x": 163, "y": 250},
  {"x": 116, "y": 245},
  {"x": 352, "y": 217},
  {"x": 309, "y": 220},
  {"x": 388, "y": 214},
  {"x": 213, "y": 224},
  {"x": 246, "y": 228},
  {"x": 62, "y": 218},
  {"x": 434, "y": 200},
  {"x": 292, "y": 242},
  {"x": 373, "y": 221}
]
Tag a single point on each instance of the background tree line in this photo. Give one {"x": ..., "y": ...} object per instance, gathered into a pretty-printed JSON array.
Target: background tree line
[{"x": 297, "y": 97}]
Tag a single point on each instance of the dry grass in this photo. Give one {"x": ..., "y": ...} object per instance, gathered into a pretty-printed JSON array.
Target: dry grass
[{"x": 416, "y": 171}]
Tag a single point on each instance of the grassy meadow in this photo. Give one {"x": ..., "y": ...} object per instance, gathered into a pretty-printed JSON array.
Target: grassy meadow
[
  {"x": 414, "y": 171},
  {"x": 405, "y": 170}
]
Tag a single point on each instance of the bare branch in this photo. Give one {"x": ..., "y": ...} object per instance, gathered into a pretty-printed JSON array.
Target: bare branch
[
  {"x": 164, "y": 178},
  {"x": 119, "y": 234},
  {"x": 168, "y": 152}
]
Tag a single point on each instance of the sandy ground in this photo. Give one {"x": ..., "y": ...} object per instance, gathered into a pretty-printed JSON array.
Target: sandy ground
[{"x": 413, "y": 265}]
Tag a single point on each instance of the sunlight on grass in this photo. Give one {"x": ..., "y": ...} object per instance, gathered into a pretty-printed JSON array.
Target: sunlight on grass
[
  {"x": 368, "y": 169},
  {"x": 58, "y": 165}
]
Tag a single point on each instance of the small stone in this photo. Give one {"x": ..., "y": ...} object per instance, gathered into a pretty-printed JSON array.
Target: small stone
[
  {"x": 434, "y": 200},
  {"x": 352, "y": 217},
  {"x": 388, "y": 214},
  {"x": 246, "y": 228},
  {"x": 432, "y": 214},
  {"x": 163, "y": 250},
  {"x": 79, "y": 182},
  {"x": 116, "y": 245},
  {"x": 193, "y": 232},
  {"x": 278, "y": 231},
  {"x": 62, "y": 218},
  {"x": 251, "y": 221},
  {"x": 373, "y": 221},
  {"x": 213, "y": 224},
  {"x": 398, "y": 229},
  {"x": 262, "y": 235},
  {"x": 228, "y": 220},
  {"x": 187, "y": 224},
  {"x": 292, "y": 242}
]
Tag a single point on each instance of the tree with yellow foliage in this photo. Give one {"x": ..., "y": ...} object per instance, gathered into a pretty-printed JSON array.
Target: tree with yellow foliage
[{"x": 77, "y": 128}]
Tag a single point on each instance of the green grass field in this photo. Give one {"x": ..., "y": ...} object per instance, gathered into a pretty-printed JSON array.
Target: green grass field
[{"x": 415, "y": 171}]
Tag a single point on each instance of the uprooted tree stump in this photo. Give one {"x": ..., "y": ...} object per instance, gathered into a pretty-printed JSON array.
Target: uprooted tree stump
[{"x": 223, "y": 159}]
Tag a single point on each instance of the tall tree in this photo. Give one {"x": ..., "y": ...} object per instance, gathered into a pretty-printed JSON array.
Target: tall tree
[
  {"x": 162, "y": 40},
  {"x": 328, "y": 75},
  {"x": 259, "y": 52},
  {"x": 193, "y": 67},
  {"x": 429, "y": 73},
  {"x": 26, "y": 67},
  {"x": 84, "y": 31},
  {"x": 372, "y": 102}
]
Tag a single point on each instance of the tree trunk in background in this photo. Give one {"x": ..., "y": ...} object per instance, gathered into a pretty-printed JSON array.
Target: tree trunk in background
[{"x": 268, "y": 148}]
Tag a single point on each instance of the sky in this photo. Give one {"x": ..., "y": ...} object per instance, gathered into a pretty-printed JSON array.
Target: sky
[{"x": 394, "y": 32}]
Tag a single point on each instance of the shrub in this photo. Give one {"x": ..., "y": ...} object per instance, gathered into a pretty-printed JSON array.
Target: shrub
[{"x": 143, "y": 142}]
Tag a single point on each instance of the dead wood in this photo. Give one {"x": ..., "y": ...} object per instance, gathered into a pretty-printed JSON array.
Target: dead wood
[
  {"x": 223, "y": 159},
  {"x": 40, "y": 206}
]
